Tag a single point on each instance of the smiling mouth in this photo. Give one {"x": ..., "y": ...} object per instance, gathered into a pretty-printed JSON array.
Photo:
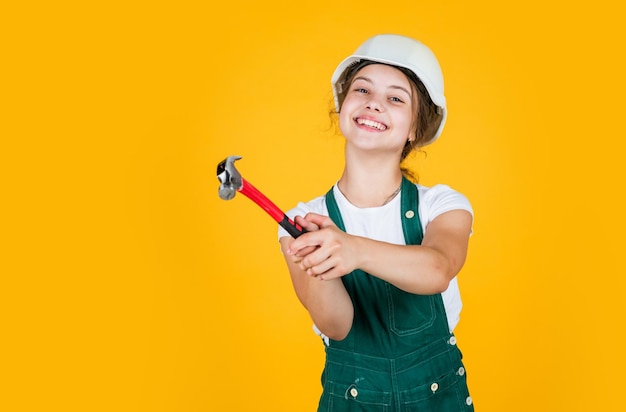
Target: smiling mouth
[{"x": 371, "y": 123}]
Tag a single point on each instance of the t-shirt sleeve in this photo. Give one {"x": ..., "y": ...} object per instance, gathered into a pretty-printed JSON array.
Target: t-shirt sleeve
[{"x": 440, "y": 199}]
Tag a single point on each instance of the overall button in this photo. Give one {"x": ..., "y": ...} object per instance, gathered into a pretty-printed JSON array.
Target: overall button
[
  {"x": 452, "y": 340},
  {"x": 409, "y": 214},
  {"x": 434, "y": 387},
  {"x": 468, "y": 401},
  {"x": 354, "y": 392},
  {"x": 461, "y": 371}
]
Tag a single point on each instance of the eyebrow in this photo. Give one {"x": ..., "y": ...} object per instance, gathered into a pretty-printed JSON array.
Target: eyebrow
[{"x": 367, "y": 79}]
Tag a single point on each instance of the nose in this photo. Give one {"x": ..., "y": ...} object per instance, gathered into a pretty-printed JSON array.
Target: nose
[{"x": 374, "y": 104}]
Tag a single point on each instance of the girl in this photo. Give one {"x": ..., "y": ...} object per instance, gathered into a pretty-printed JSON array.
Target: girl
[{"x": 377, "y": 267}]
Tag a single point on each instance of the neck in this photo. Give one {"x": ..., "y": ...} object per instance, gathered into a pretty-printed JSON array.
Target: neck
[{"x": 370, "y": 187}]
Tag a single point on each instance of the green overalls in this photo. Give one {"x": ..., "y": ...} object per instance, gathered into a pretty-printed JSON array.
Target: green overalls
[{"x": 399, "y": 354}]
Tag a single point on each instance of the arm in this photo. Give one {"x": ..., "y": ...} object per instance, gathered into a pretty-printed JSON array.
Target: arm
[
  {"x": 328, "y": 303},
  {"x": 421, "y": 269}
]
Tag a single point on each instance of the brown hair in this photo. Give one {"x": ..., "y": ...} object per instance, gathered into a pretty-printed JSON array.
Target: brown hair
[{"x": 426, "y": 119}]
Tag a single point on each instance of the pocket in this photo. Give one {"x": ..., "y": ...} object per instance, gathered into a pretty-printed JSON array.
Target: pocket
[
  {"x": 409, "y": 313},
  {"x": 446, "y": 394},
  {"x": 338, "y": 397}
]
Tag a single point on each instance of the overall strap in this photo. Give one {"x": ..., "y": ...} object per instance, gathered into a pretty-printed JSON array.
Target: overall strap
[
  {"x": 333, "y": 210},
  {"x": 411, "y": 224}
]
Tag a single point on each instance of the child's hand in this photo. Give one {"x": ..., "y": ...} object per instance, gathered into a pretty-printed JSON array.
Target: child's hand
[
  {"x": 308, "y": 227},
  {"x": 326, "y": 252}
]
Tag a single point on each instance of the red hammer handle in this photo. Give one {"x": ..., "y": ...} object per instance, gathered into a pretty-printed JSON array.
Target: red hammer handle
[{"x": 274, "y": 211}]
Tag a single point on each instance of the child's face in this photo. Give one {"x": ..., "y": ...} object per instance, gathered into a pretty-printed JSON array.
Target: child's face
[{"x": 378, "y": 110}]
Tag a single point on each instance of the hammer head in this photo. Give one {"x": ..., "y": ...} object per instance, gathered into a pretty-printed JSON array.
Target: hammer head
[{"x": 229, "y": 177}]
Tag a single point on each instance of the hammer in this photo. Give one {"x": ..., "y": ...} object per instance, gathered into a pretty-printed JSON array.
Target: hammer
[{"x": 232, "y": 182}]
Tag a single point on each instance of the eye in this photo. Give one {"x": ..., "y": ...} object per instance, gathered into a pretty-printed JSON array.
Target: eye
[
  {"x": 360, "y": 90},
  {"x": 396, "y": 100}
]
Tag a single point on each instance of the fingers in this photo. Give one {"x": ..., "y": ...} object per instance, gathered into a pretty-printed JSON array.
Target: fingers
[
  {"x": 319, "y": 220},
  {"x": 316, "y": 251},
  {"x": 325, "y": 263},
  {"x": 311, "y": 259},
  {"x": 305, "y": 224},
  {"x": 312, "y": 223},
  {"x": 325, "y": 271},
  {"x": 305, "y": 251},
  {"x": 306, "y": 260},
  {"x": 317, "y": 262},
  {"x": 306, "y": 243}
]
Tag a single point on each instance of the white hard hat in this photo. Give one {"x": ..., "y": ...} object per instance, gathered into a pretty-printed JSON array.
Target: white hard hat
[{"x": 404, "y": 52}]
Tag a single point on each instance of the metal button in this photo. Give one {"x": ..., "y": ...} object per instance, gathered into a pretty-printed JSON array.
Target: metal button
[
  {"x": 354, "y": 392},
  {"x": 468, "y": 401},
  {"x": 409, "y": 214},
  {"x": 434, "y": 387},
  {"x": 461, "y": 371},
  {"x": 452, "y": 341}
]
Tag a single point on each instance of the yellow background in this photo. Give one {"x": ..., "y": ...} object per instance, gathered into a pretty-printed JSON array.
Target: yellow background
[{"x": 128, "y": 285}]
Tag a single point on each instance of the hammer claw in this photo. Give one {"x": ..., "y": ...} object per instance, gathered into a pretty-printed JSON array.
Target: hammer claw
[{"x": 229, "y": 177}]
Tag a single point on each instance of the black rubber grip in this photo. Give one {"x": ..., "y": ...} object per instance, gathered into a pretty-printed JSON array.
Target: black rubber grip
[{"x": 291, "y": 228}]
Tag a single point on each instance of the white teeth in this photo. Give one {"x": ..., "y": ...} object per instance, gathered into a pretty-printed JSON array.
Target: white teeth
[{"x": 371, "y": 123}]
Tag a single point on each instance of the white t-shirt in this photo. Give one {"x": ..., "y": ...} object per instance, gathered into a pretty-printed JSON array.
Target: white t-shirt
[{"x": 384, "y": 224}]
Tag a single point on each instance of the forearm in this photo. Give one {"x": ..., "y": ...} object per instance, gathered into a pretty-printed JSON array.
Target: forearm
[
  {"x": 422, "y": 269},
  {"x": 416, "y": 269},
  {"x": 327, "y": 302},
  {"x": 329, "y": 306}
]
